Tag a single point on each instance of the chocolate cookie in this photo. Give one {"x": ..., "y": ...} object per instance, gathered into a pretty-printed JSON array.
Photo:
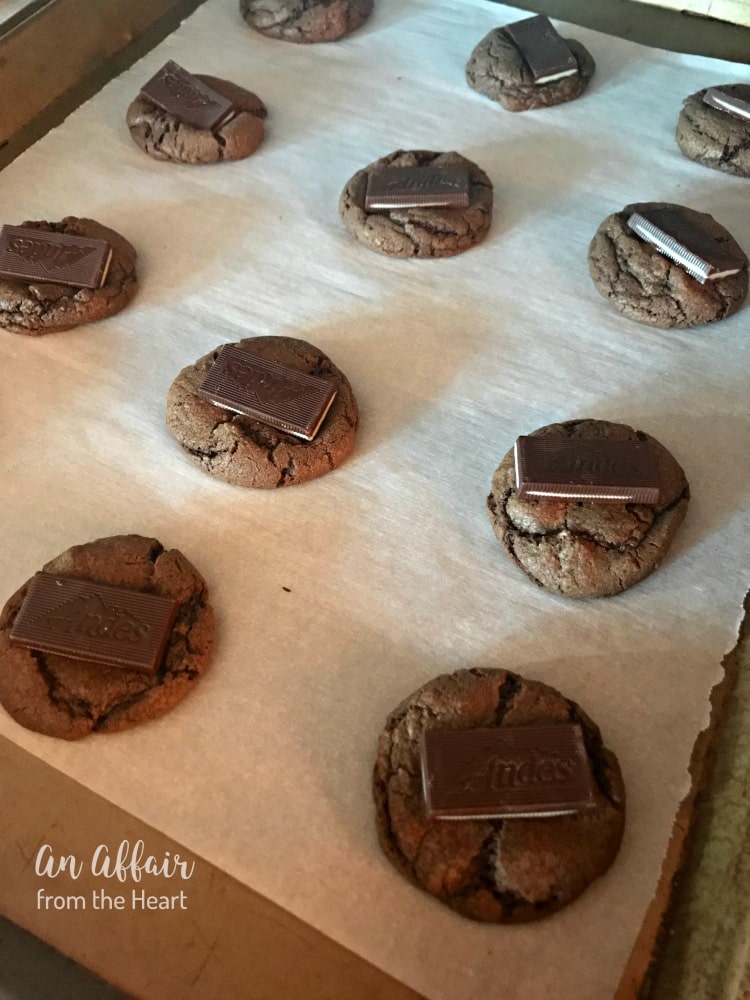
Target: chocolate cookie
[
  {"x": 648, "y": 287},
  {"x": 497, "y": 70},
  {"x": 306, "y": 21},
  {"x": 418, "y": 232},
  {"x": 713, "y": 137},
  {"x": 246, "y": 452},
  {"x": 585, "y": 548},
  {"x": 67, "y": 698},
  {"x": 163, "y": 136},
  {"x": 34, "y": 309},
  {"x": 496, "y": 870}
]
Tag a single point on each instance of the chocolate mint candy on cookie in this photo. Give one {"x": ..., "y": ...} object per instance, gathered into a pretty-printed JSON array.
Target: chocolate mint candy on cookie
[
  {"x": 417, "y": 187},
  {"x": 94, "y": 622},
  {"x": 512, "y": 771},
  {"x": 306, "y": 21},
  {"x": 265, "y": 412},
  {"x": 560, "y": 526},
  {"x": 601, "y": 469},
  {"x": 59, "y": 258},
  {"x": 272, "y": 393},
  {"x": 694, "y": 272},
  {"x": 527, "y": 65},
  {"x": 714, "y": 128},
  {"x": 416, "y": 226},
  {"x": 496, "y": 795},
  {"x": 186, "y": 97},
  {"x": 111, "y": 634},
  {"x": 195, "y": 119},
  {"x": 58, "y": 275}
]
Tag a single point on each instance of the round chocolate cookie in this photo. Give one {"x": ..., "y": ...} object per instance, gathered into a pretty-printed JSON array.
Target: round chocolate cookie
[
  {"x": 497, "y": 70},
  {"x": 713, "y": 137},
  {"x": 498, "y": 870},
  {"x": 37, "y": 308},
  {"x": 163, "y": 136},
  {"x": 68, "y": 698},
  {"x": 306, "y": 21},
  {"x": 584, "y": 548},
  {"x": 648, "y": 287},
  {"x": 418, "y": 232},
  {"x": 246, "y": 452}
]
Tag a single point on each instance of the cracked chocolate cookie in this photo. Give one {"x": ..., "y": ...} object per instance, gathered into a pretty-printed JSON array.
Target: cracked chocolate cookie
[
  {"x": 585, "y": 548},
  {"x": 418, "y": 232},
  {"x": 247, "y": 452},
  {"x": 495, "y": 870},
  {"x": 165, "y": 137},
  {"x": 37, "y": 308},
  {"x": 67, "y": 698},
  {"x": 648, "y": 287},
  {"x": 306, "y": 21},
  {"x": 497, "y": 70},
  {"x": 713, "y": 137}
]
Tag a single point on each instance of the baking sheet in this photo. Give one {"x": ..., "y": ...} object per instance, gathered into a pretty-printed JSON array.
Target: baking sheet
[
  {"x": 734, "y": 11},
  {"x": 393, "y": 572}
]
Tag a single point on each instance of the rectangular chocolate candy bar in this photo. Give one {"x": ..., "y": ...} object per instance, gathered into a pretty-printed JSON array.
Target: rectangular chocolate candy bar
[
  {"x": 417, "y": 187},
  {"x": 95, "y": 622},
  {"x": 717, "y": 98},
  {"x": 511, "y": 771},
  {"x": 186, "y": 97},
  {"x": 277, "y": 395},
  {"x": 543, "y": 50},
  {"x": 684, "y": 242},
  {"x": 593, "y": 469},
  {"x": 41, "y": 257}
]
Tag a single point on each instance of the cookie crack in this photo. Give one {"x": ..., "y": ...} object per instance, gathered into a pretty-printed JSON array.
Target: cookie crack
[
  {"x": 287, "y": 473},
  {"x": 593, "y": 744},
  {"x": 155, "y": 551},
  {"x": 627, "y": 546},
  {"x": 506, "y": 694},
  {"x": 57, "y": 692},
  {"x": 731, "y": 152},
  {"x": 485, "y": 877},
  {"x": 205, "y": 456},
  {"x": 399, "y": 227},
  {"x": 126, "y": 703}
]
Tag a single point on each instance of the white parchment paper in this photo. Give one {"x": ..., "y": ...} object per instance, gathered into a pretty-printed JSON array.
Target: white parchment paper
[{"x": 393, "y": 570}]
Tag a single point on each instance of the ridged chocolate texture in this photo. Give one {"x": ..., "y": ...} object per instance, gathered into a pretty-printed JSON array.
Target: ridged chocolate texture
[
  {"x": 543, "y": 50},
  {"x": 268, "y": 391},
  {"x": 417, "y": 187},
  {"x": 511, "y": 771},
  {"x": 685, "y": 242},
  {"x": 45, "y": 257},
  {"x": 95, "y": 622},
  {"x": 579, "y": 469},
  {"x": 189, "y": 99},
  {"x": 731, "y": 104}
]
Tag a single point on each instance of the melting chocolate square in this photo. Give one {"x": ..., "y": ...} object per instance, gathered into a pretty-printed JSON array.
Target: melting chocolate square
[
  {"x": 186, "y": 97},
  {"x": 685, "y": 242},
  {"x": 40, "y": 257},
  {"x": 273, "y": 393},
  {"x": 520, "y": 772},
  {"x": 571, "y": 468},
  {"x": 418, "y": 187},
  {"x": 95, "y": 622},
  {"x": 543, "y": 50}
]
